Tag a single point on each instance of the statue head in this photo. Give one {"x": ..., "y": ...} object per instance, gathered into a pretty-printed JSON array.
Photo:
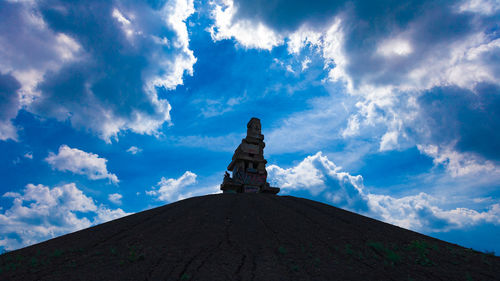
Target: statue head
[{"x": 253, "y": 128}]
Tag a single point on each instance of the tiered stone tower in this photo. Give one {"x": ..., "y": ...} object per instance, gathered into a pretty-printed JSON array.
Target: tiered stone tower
[{"x": 248, "y": 164}]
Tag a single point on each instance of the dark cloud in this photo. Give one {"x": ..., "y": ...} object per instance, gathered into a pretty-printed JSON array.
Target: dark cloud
[
  {"x": 9, "y": 100},
  {"x": 469, "y": 118},
  {"x": 283, "y": 15},
  {"x": 429, "y": 220},
  {"x": 9, "y": 105},
  {"x": 430, "y": 28},
  {"x": 375, "y": 16}
]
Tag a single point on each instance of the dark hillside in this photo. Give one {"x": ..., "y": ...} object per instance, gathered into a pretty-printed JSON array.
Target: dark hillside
[{"x": 247, "y": 237}]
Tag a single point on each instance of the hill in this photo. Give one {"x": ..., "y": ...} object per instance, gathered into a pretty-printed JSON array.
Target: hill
[{"x": 247, "y": 237}]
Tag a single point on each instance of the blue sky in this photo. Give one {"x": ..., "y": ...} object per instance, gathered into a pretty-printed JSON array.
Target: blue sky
[{"x": 387, "y": 109}]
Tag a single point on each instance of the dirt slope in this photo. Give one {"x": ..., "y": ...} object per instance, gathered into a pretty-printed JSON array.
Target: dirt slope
[{"x": 246, "y": 237}]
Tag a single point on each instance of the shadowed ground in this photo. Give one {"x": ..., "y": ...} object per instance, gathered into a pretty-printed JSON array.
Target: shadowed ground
[{"x": 247, "y": 237}]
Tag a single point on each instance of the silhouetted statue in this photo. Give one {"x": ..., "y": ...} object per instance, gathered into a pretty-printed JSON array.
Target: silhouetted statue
[{"x": 248, "y": 164}]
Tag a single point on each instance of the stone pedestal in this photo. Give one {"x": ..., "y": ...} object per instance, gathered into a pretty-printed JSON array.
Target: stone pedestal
[{"x": 248, "y": 164}]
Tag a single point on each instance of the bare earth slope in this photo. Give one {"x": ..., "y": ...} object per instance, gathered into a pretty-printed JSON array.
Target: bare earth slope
[{"x": 247, "y": 237}]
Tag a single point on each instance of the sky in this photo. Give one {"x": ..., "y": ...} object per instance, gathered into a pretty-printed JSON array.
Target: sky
[{"x": 385, "y": 108}]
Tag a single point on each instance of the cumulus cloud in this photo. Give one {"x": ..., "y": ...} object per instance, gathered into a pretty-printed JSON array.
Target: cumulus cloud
[
  {"x": 420, "y": 212},
  {"x": 389, "y": 56},
  {"x": 97, "y": 64},
  {"x": 322, "y": 178},
  {"x": 40, "y": 212},
  {"x": 318, "y": 175},
  {"x": 169, "y": 190},
  {"x": 115, "y": 198},
  {"x": 80, "y": 162}
]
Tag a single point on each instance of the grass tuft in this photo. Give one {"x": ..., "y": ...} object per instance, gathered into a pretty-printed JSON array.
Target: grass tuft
[
  {"x": 422, "y": 249},
  {"x": 390, "y": 256},
  {"x": 282, "y": 250}
]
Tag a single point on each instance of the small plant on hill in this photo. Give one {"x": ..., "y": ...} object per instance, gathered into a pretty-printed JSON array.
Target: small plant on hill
[
  {"x": 422, "y": 248},
  {"x": 57, "y": 253},
  {"x": 113, "y": 251},
  {"x": 354, "y": 253},
  {"x": 282, "y": 250},
  {"x": 348, "y": 249},
  {"x": 134, "y": 254},
  {"x": 390, "y": 256},
  {"x": 34, "y": 262}
]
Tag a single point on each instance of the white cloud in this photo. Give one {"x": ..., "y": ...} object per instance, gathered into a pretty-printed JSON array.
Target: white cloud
[
  {"x": 169, "y": 190},
  {"x": 40, "y": 213},
  {"x": 394, "y": 47},
  {"x": 421, "y": 212},
  {"x": 302, "y": 38},
  {"x": 28, "y": 155},
  {"x": 11, "y": 194},
  {"x": 302, "y": 176},
  {"x": 305, "y": 63},
  {"x": 125, "y": 23},
  {"x": 105, "y": 214},
  {"x": 200, "y": 191},
  {"x": 318, "y": 175},
  {"x": 95, "y": 78},
  {"x": 247, "y": 33},
  {"x": 134, "y": 150},
  {"x": 486, "y": 7},
  {"x": 115, "y": 198},
  {"x": 389, "y": 141},
  {"x": 80, "y": 162},
  {"x": 67, "y": 47},
  {"x": 352, "y": 128},
  {"x": 461, "y": 63},
  {"x": 456, "y": 163},
  {"x": 7, "y": 130},
  {"x": 176, "y": 13}
]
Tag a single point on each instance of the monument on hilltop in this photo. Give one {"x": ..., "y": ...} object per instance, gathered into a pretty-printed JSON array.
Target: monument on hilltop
[{"x": 248, "y": 164}]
